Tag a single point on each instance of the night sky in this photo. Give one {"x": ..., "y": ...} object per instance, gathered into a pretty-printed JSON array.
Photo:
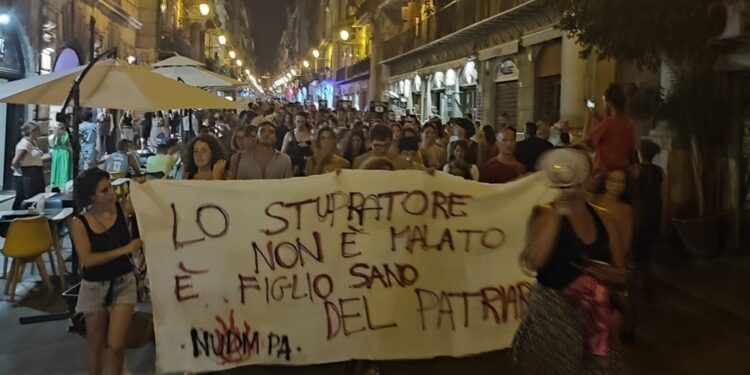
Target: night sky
[{"x": 269, "y": 21}]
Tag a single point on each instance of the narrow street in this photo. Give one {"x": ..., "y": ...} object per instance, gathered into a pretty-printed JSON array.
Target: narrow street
[{"x": 681, "y": 334}]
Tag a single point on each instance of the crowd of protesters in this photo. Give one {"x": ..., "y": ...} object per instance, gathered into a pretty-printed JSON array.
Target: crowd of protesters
[{"x": 595, "y": 237}]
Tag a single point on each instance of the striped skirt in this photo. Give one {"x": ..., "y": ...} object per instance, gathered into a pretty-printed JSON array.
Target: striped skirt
[{"x": 551, "y": 340}]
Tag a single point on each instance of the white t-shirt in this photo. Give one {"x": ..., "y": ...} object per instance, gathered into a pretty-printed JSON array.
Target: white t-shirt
[{"x": 33, "y": 157}]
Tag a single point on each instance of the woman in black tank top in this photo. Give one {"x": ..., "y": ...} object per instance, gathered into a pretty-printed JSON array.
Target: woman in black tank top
[
  {"x": 108, "y": 292},
  {"x": 571, "y": 245}
]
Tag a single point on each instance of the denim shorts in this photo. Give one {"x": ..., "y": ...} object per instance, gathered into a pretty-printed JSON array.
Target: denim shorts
[{"x": 98, "y": 296}]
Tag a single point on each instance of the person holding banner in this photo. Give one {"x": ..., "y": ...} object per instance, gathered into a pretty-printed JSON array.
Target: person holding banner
[
  {"x": 204, "y": 159},
  {"x": 575, "y": 249},
  {"x": 264, "y": 162},
  {"x": 108, "y": 294},
  {"x": 324, "y": 158},
  {"x": 381, "y": 137}
]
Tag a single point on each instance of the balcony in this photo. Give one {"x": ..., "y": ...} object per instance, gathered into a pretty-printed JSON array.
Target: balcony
[
  {"x": 353, "y": 71},
  {"x": 446, "y": 21}
]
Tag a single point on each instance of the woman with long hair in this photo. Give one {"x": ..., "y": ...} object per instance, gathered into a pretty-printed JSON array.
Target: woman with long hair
[
  {"x": 324, "y": 158},
  {"x": 249, "y": 144},
  {"x": 432, "y": 155},
  {"x": 459, "y": 165},
  {"x": 574, "y": 249},
  {"x": 108, "y": 290},
  {"x": 204, "y": 159},
  {"x": 355, "y": 146},
  {"x": 60, "y": 154}
]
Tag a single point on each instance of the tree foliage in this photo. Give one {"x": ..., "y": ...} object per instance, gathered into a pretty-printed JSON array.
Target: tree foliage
[{"x": 643, "y": 31}]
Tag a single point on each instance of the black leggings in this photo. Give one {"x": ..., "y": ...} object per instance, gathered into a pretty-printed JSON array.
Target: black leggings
[{"x": 29, "y": 184}]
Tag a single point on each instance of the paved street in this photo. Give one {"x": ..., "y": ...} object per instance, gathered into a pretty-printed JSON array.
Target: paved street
[{"x": 689, "y": 327}]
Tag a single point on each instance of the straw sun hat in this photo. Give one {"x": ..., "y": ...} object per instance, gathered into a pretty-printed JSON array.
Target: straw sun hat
[{"x": 564, "y": 167}]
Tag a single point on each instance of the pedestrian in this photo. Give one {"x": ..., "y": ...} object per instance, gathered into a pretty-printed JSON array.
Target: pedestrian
[
  {"x": 264, "y": 162},
  {"x": 491, "y": 147},
  {"x": 409, "y": 158},
  {"x": 204, "y": 159},
  {"x": 465, "y": 130},
  {"x": 380, "y": 141},
  {"x": 573, "y": 247},
  {"x": 543, "y": 130},
  {"x": 162, "y": 162},
  {"x": 325, "y": 158},
  {"x": 397, "y": 133},
  {"x": 237, "y": 142},
  {"x": 612, "y": 136},
  {"x": 61, "y": 168},
  {"x": 458, "y": 165},
  {"x": 504, "y": 167},
  {"x": 157, "y": 129},
  {"x": 27, "y": 165},
  {"x": 531, "y": 148},
  {"x": 88, "y": 136},
  {"x": 298, "y": 143},
  {"x": 122, "y": 162},
  {"x": 246, "y": 149},
  {"x": 126, "y": 126},
  {"x": 648, "y": 204},
  {"x": 431, "y": 154},
  {"x": 108, "y": 290},
  {"x": 355, "y": 145},
  {"x": 146, "y": 125}
]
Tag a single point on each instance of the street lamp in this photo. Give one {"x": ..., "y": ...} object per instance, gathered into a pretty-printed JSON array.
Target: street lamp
[
  {"x": 204, "y": 9},
  {"x": 239, "y": 62},
  {"x": 4, "y": 18},
  {"x": 305, "y": 63},
  {"x": 344, "y": 34},
  {"x": 222, "y": 39},
  {"x": 316, "y": 53},
  {"x": 232, "y": 54}
]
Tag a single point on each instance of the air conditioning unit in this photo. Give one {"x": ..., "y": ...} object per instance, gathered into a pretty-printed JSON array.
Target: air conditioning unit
[{"x": 732, "y": 15}]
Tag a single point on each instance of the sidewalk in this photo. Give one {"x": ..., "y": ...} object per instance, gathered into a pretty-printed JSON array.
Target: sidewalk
[{"x": 721, "y": 282}]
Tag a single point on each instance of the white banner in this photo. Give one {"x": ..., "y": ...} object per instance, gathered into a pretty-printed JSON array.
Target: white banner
[{"x": 364, "y": 265}]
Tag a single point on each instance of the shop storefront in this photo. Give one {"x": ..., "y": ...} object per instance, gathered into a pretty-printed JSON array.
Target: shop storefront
[
  {"x": 355, "y": 92},
  {"x": 506, "y": 88},
  {"x": 468, "y": 100}
]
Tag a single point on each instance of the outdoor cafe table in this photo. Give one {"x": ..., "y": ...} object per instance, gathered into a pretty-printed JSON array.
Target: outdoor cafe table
[
  {"x": 57, "y": 217},
  {"x": 65, "y": 198}
]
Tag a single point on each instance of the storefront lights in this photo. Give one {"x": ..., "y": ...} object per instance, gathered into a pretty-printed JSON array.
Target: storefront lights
[
  {"x": 239, "y": 62},
  {"x": 204, "y": 9},
  {"x": 4, "y": 18},
  {"x": 247, "y": 71},
  {"x": 222, "y": 39},
  {"x": 131, "y": 59},
  {"x": 232, "y": 54},
  {"x": 316, "y": 53},
  {"x": 344, "y": 34},
  {"x": 294, "y": 72},
  {"x": 306, "y": 63}
]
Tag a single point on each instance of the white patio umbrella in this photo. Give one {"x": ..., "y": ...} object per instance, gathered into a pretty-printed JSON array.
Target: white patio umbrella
[
  {"x": 198, "y": 77},
  {"x": 178, "y": 61},
  {"x": 112, "y": 84}
]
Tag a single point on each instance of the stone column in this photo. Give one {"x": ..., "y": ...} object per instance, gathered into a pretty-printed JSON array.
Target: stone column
[
  {"x": 526, "y": 63},
  {"x": 573, "y": 83},
  {"x": 486, "y": 89},
  {"x": 377, "y": 79}
]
